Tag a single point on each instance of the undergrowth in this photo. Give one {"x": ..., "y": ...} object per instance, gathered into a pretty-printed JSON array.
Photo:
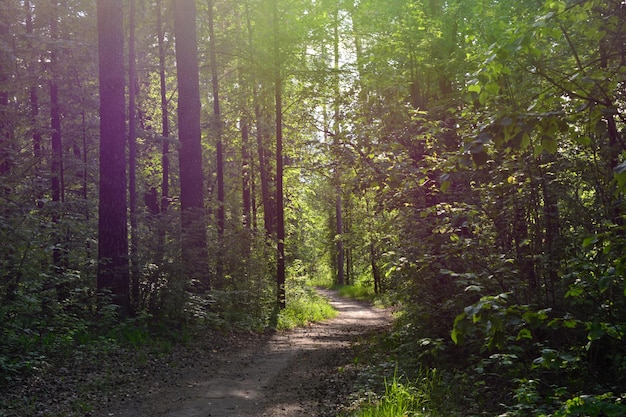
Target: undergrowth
[
  {"x": 304, "y": 306},
  {"x": 401, "y": 398}
]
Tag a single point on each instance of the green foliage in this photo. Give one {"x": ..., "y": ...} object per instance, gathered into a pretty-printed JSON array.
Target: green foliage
[
  {"x": 357, "y": 291},
  {"x": 304, "y": 306},
  {"x": 403, "y": 397}
]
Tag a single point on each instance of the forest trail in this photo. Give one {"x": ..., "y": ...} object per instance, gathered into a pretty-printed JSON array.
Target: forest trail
[{"x": 296, "y": 373}]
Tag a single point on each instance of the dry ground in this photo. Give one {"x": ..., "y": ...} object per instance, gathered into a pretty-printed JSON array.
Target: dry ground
[{"x": 303, "y": 372}]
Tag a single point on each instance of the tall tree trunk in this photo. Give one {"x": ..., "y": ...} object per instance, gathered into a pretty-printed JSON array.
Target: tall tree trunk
[
  {"x": 219, "y": 153},
  {"x": 280, "y": 213},
  {"x": 57, "y": 180},
  {"x": 551, "y": 232},
  {"x": 34, "y": 96},
  {"x": 165, "y": 131},
  {"x": 193, "y": 222},
  {"x": 132, "y": 155},
  {"x": 264, "y": 166},
  {"x": 245, "y": 174},
  {"x": 5, "y": 75},
  {"x": 337, "y": 163},
  {"x": 34, "y": 105},
  {"x": 113, "y": 271}
]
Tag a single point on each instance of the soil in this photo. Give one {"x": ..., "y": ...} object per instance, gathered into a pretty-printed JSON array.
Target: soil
[{"x": 303, "y": 372}]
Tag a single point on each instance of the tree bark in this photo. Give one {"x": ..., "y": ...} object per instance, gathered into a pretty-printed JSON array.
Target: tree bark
[
  {"x": 165, "y": 131},
  {"x": 113, "y": 271},
  {"x": 219, "y": 152},
  {"x": 132, "y": 155},
  {"x": 280, "y": 213},
  {"x": 193, "y": 222},
  {"x": 336, "y": 144}
]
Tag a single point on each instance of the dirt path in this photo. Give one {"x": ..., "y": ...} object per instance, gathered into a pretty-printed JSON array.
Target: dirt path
[{"x": 286, "y": 374}]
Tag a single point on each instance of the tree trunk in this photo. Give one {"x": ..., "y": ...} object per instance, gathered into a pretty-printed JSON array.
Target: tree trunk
[
  {"x": 264, "y": 169},
  {"x": 245, "y": 175},
  {"x": 193, "y": 221},
  {"x": 336, "y": 145},
  {"x": 132, "y": 156},
  {"x": 219, "y": 152},
  {"x": 5, "y": 74},
  {"x": 56, "y": 168},
  {"x": 280, "y": 213},
  {"x": 165, "y": 129},
  {"x": 113, "y": 271}
]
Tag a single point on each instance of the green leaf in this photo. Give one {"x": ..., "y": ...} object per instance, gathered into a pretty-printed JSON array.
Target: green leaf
[
  {"x": 595, "y": 331},
  {"x": 460, "y": 328},
  {"x": 591, "y": 240},
  {"x": 549, "y": 144},
  {"x": 492, "y": 89},
  {"x": 574, "y": 291},
  {"x": 524, "y": 334},
  {"x": 474, "y": 88}
]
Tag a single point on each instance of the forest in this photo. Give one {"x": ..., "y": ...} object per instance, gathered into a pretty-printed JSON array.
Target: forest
[{"x": 177, "y": 164}]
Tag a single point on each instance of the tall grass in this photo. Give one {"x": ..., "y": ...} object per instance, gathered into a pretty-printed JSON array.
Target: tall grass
[
  {"x": 304, "y": 306},
  {"x": 357, "y": 291},
  {"x": 404, "y": 398}
]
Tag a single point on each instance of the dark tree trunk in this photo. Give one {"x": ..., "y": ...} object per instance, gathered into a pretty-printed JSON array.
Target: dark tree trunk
[
  {"x": 280, "y": 212},
  {"x": 264, "y": 171},
  {"x": 113, "y": 271},
  {"x": 34, "y": 97},
  {"x": 56, "y": 168},
  {"x": 5, "y": 73},
  {"x": 34, "y": 106},
  {"x": 375, "y": 270},
  {"x": 336, "y": 145},
  {"x": 193, "y": 221},
  {"x": 219, "y": 152},
  {"x": 132, "y": 156},
  {"x": 165, "y": 129},
  {"x": 245, "y": 175}
]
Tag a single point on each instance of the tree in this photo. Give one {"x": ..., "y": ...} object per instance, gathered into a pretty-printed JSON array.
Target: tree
[
  {"x": 132, "y": 153},
  {"x": 193, "y": 221},
  {"x": 219, "y": 153},
  {"x": 280, "y": 209},
  {"x": 5, "y": 75},
  {"x": 113, "y": 271},
  {"x": 165, "y": 131}
]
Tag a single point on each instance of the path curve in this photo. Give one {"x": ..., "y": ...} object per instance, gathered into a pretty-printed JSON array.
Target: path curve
[{"x": 285, "y": 374}]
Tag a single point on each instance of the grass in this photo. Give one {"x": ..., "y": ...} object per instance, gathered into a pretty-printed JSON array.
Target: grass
[
  {"x": 357, "y": 292},
  {"x": 304, "y": 306},
  {"x": 402, "y": 398},
  {"x": 365, "y": 292}
]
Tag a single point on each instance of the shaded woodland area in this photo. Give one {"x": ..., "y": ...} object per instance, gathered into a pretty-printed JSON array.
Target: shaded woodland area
[{"x": 172, "y": 163}]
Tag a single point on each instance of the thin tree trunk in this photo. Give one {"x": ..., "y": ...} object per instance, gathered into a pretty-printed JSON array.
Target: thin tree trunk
[
  {"x": 57, "y": 182},
  {"x": 264, "y": 169},
  {"x": 165, "y": 158},
  {"x": 5, "y": 74},
  {"x": 336, "y": 145},
  {"x": 245, "y": 175},
  {"x": 132, "y": 156}
]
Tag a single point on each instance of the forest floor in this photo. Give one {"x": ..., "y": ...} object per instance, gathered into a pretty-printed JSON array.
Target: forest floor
[
  {"x": 303, "y": 372},
  {"x": 310, "y": 371}
]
